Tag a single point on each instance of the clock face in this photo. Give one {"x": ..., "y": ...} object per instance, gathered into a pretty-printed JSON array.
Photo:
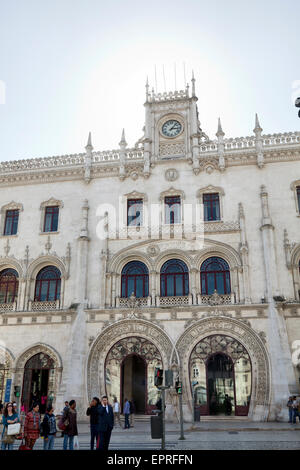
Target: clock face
[{"x": 171, "y": 128}]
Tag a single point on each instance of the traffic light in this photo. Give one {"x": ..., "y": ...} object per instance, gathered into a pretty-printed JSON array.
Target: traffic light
[
  {"x": 17, "y": 390},
  {"x": 158, "y": 377},
  {"x": 178, "y": 386}
]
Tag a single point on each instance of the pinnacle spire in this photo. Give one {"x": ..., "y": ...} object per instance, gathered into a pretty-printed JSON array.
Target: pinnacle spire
[
  {"x": 89, "y": 145},
  {"x": 193, "y": 84},
  {"x": 123, "y": 140},
  {"x": 257, "y": 125},
  {"x": 220, "y": 130}
]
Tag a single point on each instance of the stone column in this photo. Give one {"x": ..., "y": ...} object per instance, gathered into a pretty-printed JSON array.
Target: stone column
[
  {"x": 74, "y": 375},
  {"x": 279, "y": 354},
  {"x": 244, "y": 254}
]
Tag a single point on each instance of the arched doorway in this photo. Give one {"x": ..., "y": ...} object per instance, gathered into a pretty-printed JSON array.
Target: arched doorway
[
  {"x": 134, "y": 381},
  {"x": 221, "y": 377},
  {"x": 38, "y": 381},
  {"x": 129, "y": 372}
]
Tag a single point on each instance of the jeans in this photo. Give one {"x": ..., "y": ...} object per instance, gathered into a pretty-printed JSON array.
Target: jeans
[
  {"x": 5, "y": 446},
  {"x": 295, "y": 413},
  {"x": 94, "y": 435},
  {"x": 49, "y": 443},
  {"x": 71, "y": 441},
  {"x": 127, "y": 421},
  {"x": 290, "y": 415}
]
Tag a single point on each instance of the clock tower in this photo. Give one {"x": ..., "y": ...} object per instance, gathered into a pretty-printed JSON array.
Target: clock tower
[{"x": 172, "y": 127}]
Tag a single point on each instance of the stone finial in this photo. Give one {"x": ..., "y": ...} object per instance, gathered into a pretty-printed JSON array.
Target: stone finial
[
  {"x": 193, "y": 84},
  {"x": 123, "y": 142},
  {"x": 241, "y": 211},
  {"x": 257, "y": 129},
  {"x": 220, "y": 132},
  {"x": 285, "y": 238},
  {"x": 89, "y": 143},
  {"x": 147, "y": 90}
]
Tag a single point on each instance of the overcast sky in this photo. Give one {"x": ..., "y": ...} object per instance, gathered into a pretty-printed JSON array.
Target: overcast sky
[{"x": 74, "y": 66}]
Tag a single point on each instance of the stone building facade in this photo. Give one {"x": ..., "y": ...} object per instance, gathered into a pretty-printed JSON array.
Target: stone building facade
[{"x": 180, "y": 253}]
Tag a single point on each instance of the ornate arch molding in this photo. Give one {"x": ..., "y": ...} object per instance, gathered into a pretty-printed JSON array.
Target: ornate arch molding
[
  {"x": 261, "y": 388},
  {"x": 51, "y": 202},
  {"x": 124, "y": 256},
  {"x": 12, "y": 206},
  {"x": 171, "y": 192},
  {"x": 46, "y": 260},
  {"x": 111, "y": 335},
  {"x": 9, "y": 262},
  {"x": 36, "y": 349},
  {"x": 295, "y": 256},
  {"x": 6, "y": 356},
  {"x": 173, "y": 254},
  {"x": 218, "y": 249},
  {"x": 210, "y": 189}
]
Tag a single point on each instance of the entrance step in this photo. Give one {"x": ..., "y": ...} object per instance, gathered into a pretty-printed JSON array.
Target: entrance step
[{"x": 224, "y": 418}]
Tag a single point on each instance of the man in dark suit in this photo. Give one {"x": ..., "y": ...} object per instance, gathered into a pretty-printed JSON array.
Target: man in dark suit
[{"x": 106, "y": 424}]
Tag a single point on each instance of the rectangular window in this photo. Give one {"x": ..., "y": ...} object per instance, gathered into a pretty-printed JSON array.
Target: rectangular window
[
  {"x": 11, "y": 222},
  {"x": 211, "y": 204},
  {"x": 298, "y": 197},
  {"x": 51, "y": 219},
  {"x": 172, "y": 210},
  {"x": 134, "y": 212}
]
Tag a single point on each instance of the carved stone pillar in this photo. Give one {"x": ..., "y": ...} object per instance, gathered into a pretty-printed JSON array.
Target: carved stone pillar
[
  {"x": 152, "y": 286},
  {"x": 193, "y": 284}
]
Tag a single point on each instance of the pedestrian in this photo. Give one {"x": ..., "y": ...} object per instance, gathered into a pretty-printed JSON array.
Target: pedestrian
[
  {"x": 126, "y": 412},
  {"x": 10, "y": 416},
  {"x": 48, "y": 428},
  {"x": 32, "y": 426},
  {"x": 159, "y": 404},
  {"x": 290, "y": 408},
  {"x": 65, "y": 409},
  {"x": 117, "y": 411},
  {"x": 92, "y": 412},
  {"x": 70, "y": 420},
  {"x": 227, "y": 405},
  {"x": 106, "y": 423},
  {"x": 295, "y": 408},
  {"x": 1, "y": 407},
  {"x": 132, "y": 412}
]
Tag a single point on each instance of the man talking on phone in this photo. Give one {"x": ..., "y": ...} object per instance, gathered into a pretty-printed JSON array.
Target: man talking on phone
[{"x": 106, "y": 423}]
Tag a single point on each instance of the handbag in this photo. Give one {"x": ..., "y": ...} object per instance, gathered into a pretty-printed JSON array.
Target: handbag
[
  {"x": 8, "y": 439},
  {"x": 13, "y": 429},
  {"x": 23, "y": 446}
]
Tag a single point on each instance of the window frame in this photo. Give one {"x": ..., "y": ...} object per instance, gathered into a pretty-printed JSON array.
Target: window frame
[
  {"x": 225, "y": 272},
  {"x": 13, "y": 217},
  {"x": 167, "y": 205},
  {"x": 210, "y": 198},
  {"x": 15, "y": 282},
  {"x": 144, "y": 276},
  {"x": 39, "y": 285},
  {"x": 141, "y": 215},
  {"x": 52, "y": 214},
  {"x": 184, "y": 281}
]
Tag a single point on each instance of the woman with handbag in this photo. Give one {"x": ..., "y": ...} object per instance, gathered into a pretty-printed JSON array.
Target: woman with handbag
[
  {"x": 9, "y": 419},
  {"x": 32, "y": 426}
]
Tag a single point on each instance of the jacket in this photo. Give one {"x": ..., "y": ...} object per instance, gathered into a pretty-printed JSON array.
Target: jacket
[
  {"x": 92, "y": 412},
  {"x": 32, "y": 425},
  {"x": 46, "y": 427},
  {"x": 106, "y": 420},
  {"x": 71, "y": 429}
]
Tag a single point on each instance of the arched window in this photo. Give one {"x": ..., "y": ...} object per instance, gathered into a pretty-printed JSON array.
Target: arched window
[
  {"x": 8, "y": 286},
  {"x": 174, "y": 278},
  {"x": 135, "y": 279},
  {"x": 215, "y": 275},
  {"x": 47, "y": 285}
]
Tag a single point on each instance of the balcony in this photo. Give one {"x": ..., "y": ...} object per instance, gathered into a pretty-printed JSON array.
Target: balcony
[
  {"x": 8, "y": 307},
  {"x": 216, "y": 299},
  {"x": 176, "y": 300},
  {"x": 36, "y": 306}
]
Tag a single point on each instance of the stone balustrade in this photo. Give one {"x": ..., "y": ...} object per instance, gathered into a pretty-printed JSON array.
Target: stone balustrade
[{"x": 36, "y": 306}]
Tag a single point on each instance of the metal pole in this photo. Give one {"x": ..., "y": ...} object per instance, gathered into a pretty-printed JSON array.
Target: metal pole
[
  {"x": 193, "y": 404},
  {"x": 163, "y": 439},
  {"x": 181, "y": 419}
]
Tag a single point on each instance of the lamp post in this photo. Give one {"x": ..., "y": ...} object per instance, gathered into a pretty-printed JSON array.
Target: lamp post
[{"x": 194, "y": 383}]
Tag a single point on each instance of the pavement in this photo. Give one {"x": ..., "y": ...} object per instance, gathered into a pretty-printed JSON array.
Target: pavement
[{"x": 211, "y": 435}]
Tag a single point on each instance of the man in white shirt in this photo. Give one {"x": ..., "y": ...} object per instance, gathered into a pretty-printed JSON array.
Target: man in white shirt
[{"x": 116, "y": 407}]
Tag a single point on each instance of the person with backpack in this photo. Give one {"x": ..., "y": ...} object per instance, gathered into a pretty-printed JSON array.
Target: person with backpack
[
  {"x": 92, "y": 412},
  {"x": 48, "y": 428}
]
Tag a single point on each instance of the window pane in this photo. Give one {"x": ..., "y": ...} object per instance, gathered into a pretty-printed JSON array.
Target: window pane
[
  {"x": 179, "y": 286},
  {"x": 203, "y": 287},
  {"x": 15, "y": 224},
  {"x": 134, "y": 212},
  {"x": 228, "y": 289},
  {"x": 52, "y": 288},
  {"x": 210, "y": 283},
  {"x": 170, "y": 285},
  {"x": 220, "y": 283},
  {"x": 123, "y": 287},
  {"x": 44, "y": 290},
  {"x": 130, "y": 286},
  {"x": 139, "y": 286},
  {"x": 55, "y": 222},
  {"x": 48, "y": 219}
]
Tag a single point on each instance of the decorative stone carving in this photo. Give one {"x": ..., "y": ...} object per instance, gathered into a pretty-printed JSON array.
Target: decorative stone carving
[
  {"x": 113, "y": 333},
  {"x": 171, "y": 174},
  {"x": 153, "y": 250},
  {"x": 249, "y": 339}
]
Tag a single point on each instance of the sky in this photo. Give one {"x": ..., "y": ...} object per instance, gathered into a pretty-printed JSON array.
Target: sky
[{"x": 68, "y": 67}]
